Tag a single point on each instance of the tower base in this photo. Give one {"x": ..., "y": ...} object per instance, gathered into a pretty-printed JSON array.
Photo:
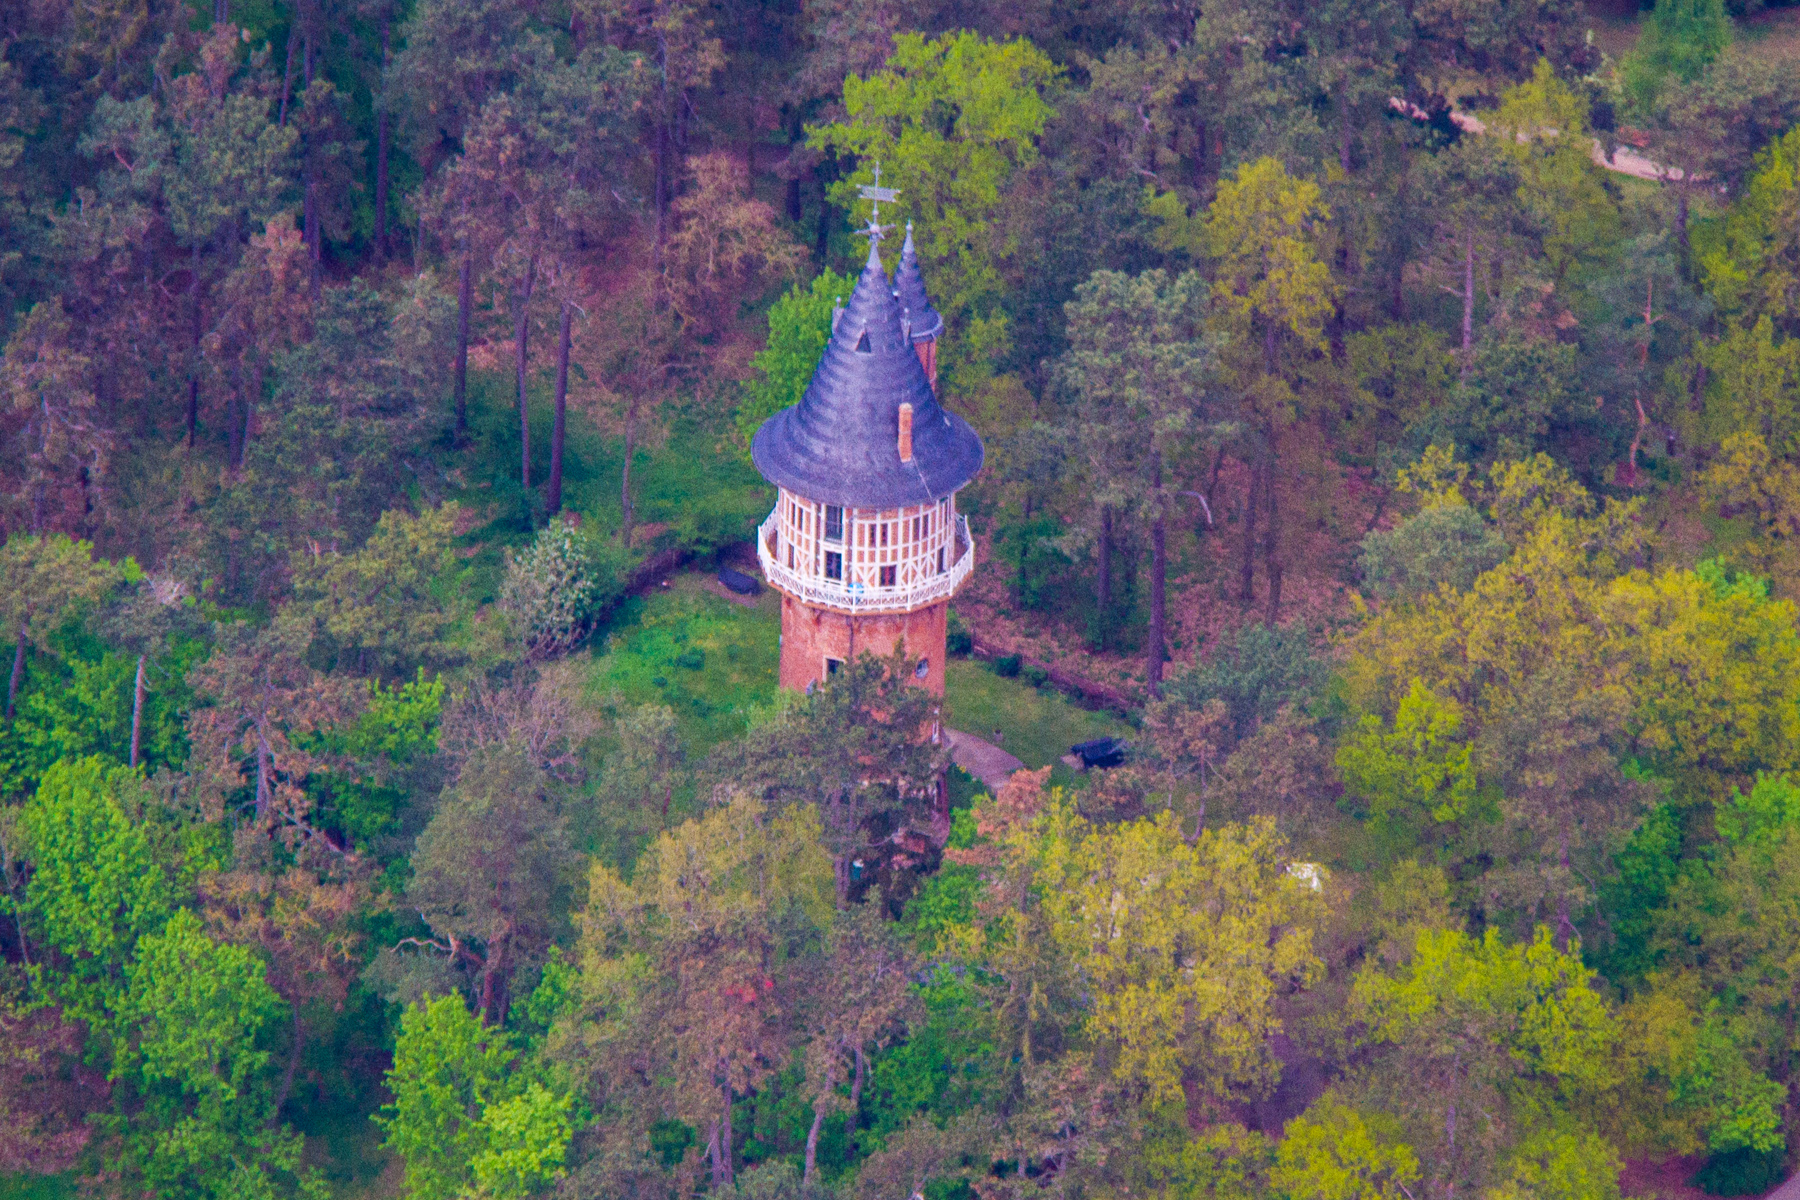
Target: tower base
[{"x": 813, "y": 639}]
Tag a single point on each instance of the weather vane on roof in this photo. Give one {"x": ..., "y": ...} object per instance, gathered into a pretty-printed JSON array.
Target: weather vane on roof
[{"x": 876, "y": 195}]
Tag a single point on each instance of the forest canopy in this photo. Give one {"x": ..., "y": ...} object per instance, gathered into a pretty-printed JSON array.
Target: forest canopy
[{"x": 1391, "y": 418}]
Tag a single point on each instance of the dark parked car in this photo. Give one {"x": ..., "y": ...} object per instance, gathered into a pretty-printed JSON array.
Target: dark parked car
[{"x": 1101, "y": 752}]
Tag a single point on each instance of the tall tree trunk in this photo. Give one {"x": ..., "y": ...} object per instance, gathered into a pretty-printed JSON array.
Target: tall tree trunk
[
  {"x": 1159, "y": 571},
  {"x": 18, "y": 674},
  {"x": 1681, "y": 218},
  {"x": 1103, "y": 582},
  {"x": 314, "y": 253},
  {"x": 1272, "y": 564},
  {"x": 193, "y": 402},
  {"x": 381, "y": 153},
  {"x": 1247, "y": 565},
  {"x": 287, "y": 78},
  {"x": 822, "y": 234},
  {"x": 712, "y": 1152},
  {"x": 495, "y": 973},
  {"x": 521, "y": 329},
  {"x": 854, "y": 1117},
  {"x": 729, "y": 1151},
  {"x": 1468, "y": 322},
  {"x": 562, "y": 400},
  {"x": 137, "y": 710},
  {"x": 627, "y": 510},
  {"x": 465, "y": 300},
  {"x": 262, "y": 780},
  {"x": 812, "y": 1144},
  {"x": 293, "y": 1064}
]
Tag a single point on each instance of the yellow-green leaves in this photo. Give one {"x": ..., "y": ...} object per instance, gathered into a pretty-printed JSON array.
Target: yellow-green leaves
[
  {"x": 1751, "y": 258},
  {"x": 95, "y": 885},
  {"x": 447, "y": 1066},
  {"x": 527, "y": 1138},
  {"x": 736, "y": 864},
  {"x": 1524, "y": 1010},
  {"x": 1332, "y": 1152},
  {"x": 1184, "y": 947},
  {"x": 949, "y": 120},
  {"x": 1260, "y": 231},
  {"x": 1711, "y": 673},
  {"x": 1544, "y": 124},
  {"x": 1418, "y": 768}
]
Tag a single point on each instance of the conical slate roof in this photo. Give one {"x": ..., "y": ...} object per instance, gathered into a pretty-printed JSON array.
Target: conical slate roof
[
  {"x": 909, "y": 286},
  {"x": 840, "y": 444}
]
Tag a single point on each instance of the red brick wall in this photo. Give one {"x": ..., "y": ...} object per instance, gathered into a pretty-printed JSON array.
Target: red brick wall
[{"x": 811, "y": 635}]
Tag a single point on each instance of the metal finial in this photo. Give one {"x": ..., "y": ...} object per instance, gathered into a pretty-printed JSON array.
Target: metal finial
[{"x": 876, "y": 195}]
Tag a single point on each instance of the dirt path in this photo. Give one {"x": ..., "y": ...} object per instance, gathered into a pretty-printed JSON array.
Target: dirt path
[
  {"x": 1625, "y": 160},
  {"x": 984, "y": 760}
]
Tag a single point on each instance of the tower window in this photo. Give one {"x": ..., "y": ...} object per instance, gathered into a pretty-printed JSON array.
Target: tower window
[
  {"x": 923, "y": 669},
  {"x": 884, "y": 533},
  {"x": 940, "y": 560},
  {"x": 834, "y": 564},
  {"x": 834, "y": 523},
  {"x": 887, "y": 576}
]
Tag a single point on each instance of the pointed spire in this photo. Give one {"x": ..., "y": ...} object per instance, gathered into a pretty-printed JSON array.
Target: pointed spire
[
  {"x": 841, "y": 443},
  {"x": 909, "y": 288}
]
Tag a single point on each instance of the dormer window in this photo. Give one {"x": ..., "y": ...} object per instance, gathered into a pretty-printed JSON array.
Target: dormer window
[{"x": 862, "y": 344}]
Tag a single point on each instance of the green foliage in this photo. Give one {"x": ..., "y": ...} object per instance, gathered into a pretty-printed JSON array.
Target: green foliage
[
  {"x": 1742, "y": 1172},
  {"x": 799, "y": 327},
  {"x": 1750, "y": 257},
  {"x": 950, "y": 120},
  {"x": 97, "y": 882},
  {"x": 1417, "y": 771},
  {"x": 525, "y": 1140},
  {"x": 1260, "y": 230},
  {"x": 558, "y": 587},
  {"x": 1645, "y": 869},
  {"x": 1516, "y": 390},
  {"x": 1772, "y": 806},
  {"x": 1579, "y": 1165},
  {"x": 392, "y": 738},
  {"x": 1514, "y": 1011},
  {"x": 1254, "y": 670},
  {"x": 448, "y": 1069},
  {"x": 393, "y": 602},
  {"x": 1753, "y": 385},
  {"x": 1543, "y": 124},
  {"x": 1336, "y": 1153},
  {"x": 1678, "y": 40},
  {"x": 189, "y": 1040},
  {"x": 1444, "y": 546}
]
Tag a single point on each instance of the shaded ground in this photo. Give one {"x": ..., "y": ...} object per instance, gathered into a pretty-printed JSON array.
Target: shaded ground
[{"x": 982, "y": 759}]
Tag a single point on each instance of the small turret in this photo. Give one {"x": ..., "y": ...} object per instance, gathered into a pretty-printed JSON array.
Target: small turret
[{"x": 924, "y": 322}]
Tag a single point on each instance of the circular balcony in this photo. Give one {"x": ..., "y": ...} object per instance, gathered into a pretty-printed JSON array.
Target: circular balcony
[{"x": 853, "y": 578}]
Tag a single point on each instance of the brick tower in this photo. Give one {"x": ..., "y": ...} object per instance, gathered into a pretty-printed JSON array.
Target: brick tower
[{"x": 865, "y": 545}]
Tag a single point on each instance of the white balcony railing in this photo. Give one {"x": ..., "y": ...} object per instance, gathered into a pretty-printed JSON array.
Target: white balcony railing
[{"x": 856, "y": 596}]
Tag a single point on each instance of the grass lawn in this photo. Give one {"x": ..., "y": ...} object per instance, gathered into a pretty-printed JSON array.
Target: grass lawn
[
  {"x": 1038, "y": 725},
  {"x": 712, "y": 661},
  {"x": 37, "y": 1187},
  {"x": 715, "y": 663}
]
